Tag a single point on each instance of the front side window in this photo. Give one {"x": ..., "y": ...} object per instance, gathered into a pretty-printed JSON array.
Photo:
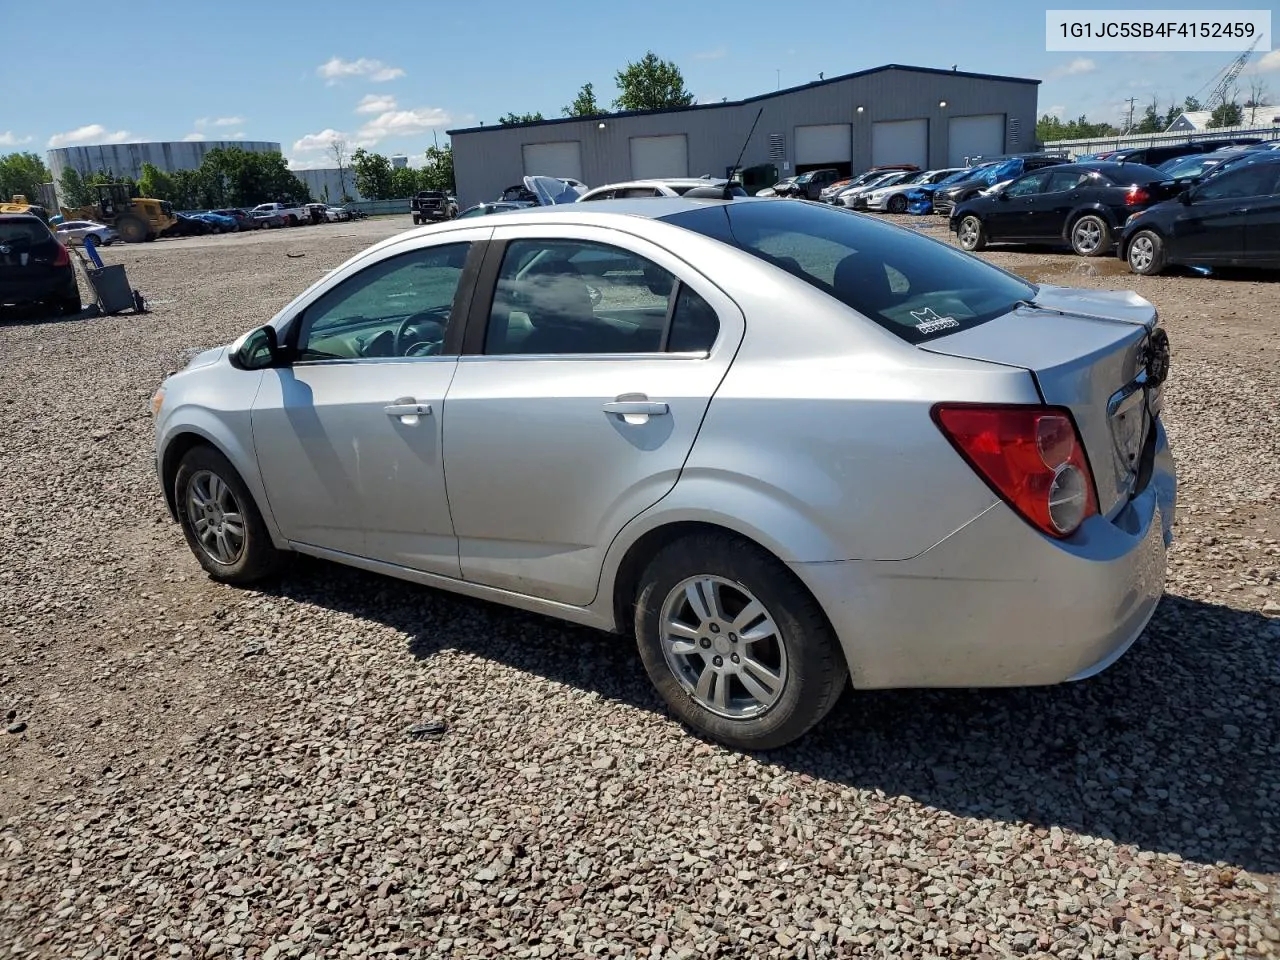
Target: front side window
[
  {"x": 917, "y": 288},
  {"x": 581, "y": 297},
  {"x": 1029, "y": 185},
  {"x": 1249, "y": 181},
  {"x": 397, "y": 307}
]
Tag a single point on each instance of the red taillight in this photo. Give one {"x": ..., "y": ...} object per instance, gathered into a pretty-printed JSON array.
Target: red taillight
[
  {"x": 61, "y": 258},
  {"x": 1136, "y": 195},
  {"x": 1031, "y": 457}
]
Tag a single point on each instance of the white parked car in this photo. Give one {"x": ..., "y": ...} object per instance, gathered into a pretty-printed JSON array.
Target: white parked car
[
  {"x": 336, "y": 214},
  {"x": 665, "y": 187},
  {"x": 892, "y": 197},
  {"x": 73, "y": 232}
]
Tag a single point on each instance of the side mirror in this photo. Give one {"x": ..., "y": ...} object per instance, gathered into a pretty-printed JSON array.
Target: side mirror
[
  {"x": 1184, "y": 197},
  {"x": 258, "y": 350},
  {"x": 1003, "y": 195}
]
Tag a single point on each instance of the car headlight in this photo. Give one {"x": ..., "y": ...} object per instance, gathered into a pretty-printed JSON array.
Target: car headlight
[{"x": 157, "y": 402}]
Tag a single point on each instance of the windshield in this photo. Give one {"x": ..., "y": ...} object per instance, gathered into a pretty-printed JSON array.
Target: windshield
[
  {"x": 915, "y": 287},
  {"x": 22, "y": 233},
  {"x": 964, "y": 174}
]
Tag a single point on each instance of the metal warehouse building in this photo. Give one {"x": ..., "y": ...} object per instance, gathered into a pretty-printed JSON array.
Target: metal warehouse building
[
  {"x": 889, "y": 114},
  {"x": 126, "y": 159}
]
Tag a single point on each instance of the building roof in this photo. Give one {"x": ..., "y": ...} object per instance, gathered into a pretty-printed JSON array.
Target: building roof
[
  {"x": 763, "y": 96},
  {"x": 1196, "y": 119}
]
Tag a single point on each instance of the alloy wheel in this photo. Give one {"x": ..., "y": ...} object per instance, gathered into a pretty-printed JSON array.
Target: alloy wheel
[
  {"x": 1087, "y": 235},
  {"x": 216, "y": 517},
  {"x": 1141, "y": 253},
  {"x": 723, "y": 647}
]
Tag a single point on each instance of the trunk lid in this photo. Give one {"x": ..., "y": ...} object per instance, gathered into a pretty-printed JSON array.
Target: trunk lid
[{"x": 1088, "y": 352}]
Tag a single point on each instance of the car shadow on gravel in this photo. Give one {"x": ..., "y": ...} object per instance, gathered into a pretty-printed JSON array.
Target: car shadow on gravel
[{"x": 1171, "y": 750}]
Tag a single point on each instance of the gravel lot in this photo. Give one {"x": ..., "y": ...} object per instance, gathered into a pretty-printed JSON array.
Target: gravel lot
[{"x": 195, "y": 770}]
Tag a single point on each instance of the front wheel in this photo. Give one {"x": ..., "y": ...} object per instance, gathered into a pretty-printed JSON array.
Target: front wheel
[
  {"x": 131, "y": 229},
  {"x": 1146, "y": 253},
  {"x": 973, "y": 237},
  {"x": 220, "y": 520},
  {"x": 897, "y": 203},
  {"x": 1090, "y": 236},
  {"x": 735, "y": 644}
]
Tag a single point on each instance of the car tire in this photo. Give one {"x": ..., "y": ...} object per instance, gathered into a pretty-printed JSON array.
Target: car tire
[
  {"x": 205, "y": 477},
  {"x": 69, "y": 305},
  {"x": 897, "y": 203},
  {"x": 1145, "y": 254},
  {"x": 971, "y": 234},
  {"x": 795, "y": 648},
  {"x": 1090, "y": 236}
]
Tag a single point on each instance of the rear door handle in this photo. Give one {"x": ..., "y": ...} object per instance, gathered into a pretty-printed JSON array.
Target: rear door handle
[
  {"x": 637, "y": 408},
  {"x": 410, "y": 409}
]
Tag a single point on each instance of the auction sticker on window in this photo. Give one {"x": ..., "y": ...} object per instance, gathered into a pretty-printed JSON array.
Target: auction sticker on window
[{"x": 1134, "y": 31}]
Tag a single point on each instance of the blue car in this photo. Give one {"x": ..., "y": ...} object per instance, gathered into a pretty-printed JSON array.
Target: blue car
[
  {"x": 920, "y": 199},
  {"x": 986, "y": 175},
  {"x": 222, "y": 224}
]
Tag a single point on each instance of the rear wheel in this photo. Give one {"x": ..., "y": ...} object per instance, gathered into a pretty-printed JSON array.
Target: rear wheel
[
  {"x": 735, "y": 644},
  {"x": 898, "y": 203},
  {"x": 972, "y": 235},
  {"x": 132, "y": 229},
  {"x": 1090, "y": 236},
  {"x": 293, "y": 221},
  {"x": 220, "y": 520},
  {"x": 1146, "y": 253}
]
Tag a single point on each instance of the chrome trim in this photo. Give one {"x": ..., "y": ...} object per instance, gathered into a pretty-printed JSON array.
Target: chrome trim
[
  {"x": 376, "y": 360},
  {"x": 474, "y": 357}
]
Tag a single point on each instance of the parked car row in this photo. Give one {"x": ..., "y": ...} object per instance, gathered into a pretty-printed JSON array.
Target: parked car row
[{"x": 263, "y": 216}]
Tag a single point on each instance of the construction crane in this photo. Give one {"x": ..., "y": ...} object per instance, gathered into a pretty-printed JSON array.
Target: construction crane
[{"x": 1223, "y": 89}]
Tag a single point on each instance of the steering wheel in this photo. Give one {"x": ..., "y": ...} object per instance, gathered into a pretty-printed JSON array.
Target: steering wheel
[{"x": 401, "y": 347}]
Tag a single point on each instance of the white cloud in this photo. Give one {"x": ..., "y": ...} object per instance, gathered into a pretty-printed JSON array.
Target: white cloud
[
  {"x": 376, "y": 103},
  {"x": 238, "y": 135},
  {"x": 403, "y": 123},
  {"x": 1270, "y": 61},
  {"x": 1076, "y": 67},
  {"x": 310, "y": 163},
  {"x": 719, "y": 53},
  {"x": 90, "y": 133},
  {"x": 228, "y": 121},
  {"x": 194, "y": 136},
  {"x": 336, "y": 69},
  {"x": 1057, "y": 110},
  {"x": 10, "y": 139},
  {"x": 317, "y": 141}
]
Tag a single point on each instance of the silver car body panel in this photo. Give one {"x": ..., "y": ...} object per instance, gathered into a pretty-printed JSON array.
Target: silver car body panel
[{"x": 811, "y": 435}]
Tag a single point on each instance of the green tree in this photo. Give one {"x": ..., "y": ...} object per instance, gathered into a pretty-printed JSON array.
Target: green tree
[
  {"x": 1152, "y": 119},
  {"x": 1191, "y": 105},
  {"x": 22, "y": 173},
  {"x": 1050, "y": 129},
  {"x": 404, "y": 182},
  {"x": 651, "y": 84},
  {"x": 511, "y": 118},
  {"x": 584, "y": 104},
  {"x": 72, "y": 191},
  {"x": 437, "y": 173},
  {"x": 155, "y": 183},
  {"x": 373, "y": 174},
  {"x": 1226, "y": 115}
]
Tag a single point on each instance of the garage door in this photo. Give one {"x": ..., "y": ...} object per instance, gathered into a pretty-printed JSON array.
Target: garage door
[
  {"x": 563, "y": 159},
  {"x": 824, "y": 143},
  {"x": 659, "y": 157},
  {"x": 900, "y": 141},
  {"x": 978, "y": 136}
]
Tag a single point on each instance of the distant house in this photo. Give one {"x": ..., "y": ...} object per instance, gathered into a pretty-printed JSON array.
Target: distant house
[{"x": 1197, "y": 121}]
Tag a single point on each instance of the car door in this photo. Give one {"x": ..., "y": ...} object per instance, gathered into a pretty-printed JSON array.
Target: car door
[
  {"x": 348, "y": 435},
  {"x": 1011, "y": 211},
  {"x": 1065, "y": 191},
  {"x": 1211, "y": 228},
  {"x": 590, "y": 360},
  {"x": 1262, "y": 223}
]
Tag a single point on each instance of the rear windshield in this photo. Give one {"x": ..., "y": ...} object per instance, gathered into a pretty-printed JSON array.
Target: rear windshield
[
  {"x": 22, "y": 233},
  {"x": 917, "y": 288},
  {"x": 1123, "y": 173}
]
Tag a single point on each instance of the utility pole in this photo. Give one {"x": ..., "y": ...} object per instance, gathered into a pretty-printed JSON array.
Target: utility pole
[{"x": 1128, "y": 127}]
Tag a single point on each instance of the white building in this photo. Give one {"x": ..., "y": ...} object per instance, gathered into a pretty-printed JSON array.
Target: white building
[
  {"x": 1197, "y": 121},
  {"x": 125, "y": 160},
  {"x": 327, "y": 184}
]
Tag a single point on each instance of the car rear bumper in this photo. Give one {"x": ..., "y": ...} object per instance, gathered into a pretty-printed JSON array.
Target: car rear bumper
[
  {"x": 45, "y": 286},
  {"x": 997, "y": 604}
]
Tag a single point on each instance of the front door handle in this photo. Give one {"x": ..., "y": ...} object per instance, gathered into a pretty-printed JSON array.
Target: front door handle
[
  {"x": 407, "y": 408},
  {"x": 637, "y": 408}
]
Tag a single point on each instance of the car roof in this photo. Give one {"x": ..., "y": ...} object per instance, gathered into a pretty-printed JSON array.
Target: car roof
[{"x": 21, "y": 218}]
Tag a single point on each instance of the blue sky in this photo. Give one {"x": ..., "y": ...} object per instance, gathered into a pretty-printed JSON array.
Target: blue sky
[{"x": 392, "y": 73}]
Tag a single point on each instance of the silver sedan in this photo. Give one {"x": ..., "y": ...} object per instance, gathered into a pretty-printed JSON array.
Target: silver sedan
[{"x": 785, "y": 446}]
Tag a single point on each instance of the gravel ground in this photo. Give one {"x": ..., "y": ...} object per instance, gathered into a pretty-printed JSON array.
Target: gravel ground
[{"x": 195, "y": 770}]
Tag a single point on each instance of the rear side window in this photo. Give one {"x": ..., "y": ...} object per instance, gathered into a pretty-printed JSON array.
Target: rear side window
[{"x": 917, "y": 288}]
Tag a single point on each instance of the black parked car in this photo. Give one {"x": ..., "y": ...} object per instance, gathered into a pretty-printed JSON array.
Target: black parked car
[
  {"x": 35, "y": 268},
  {"x": 1081, "y": 204},
  {"x": 1231, "y": 219},
  {"x": 988, "y": 174}
]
